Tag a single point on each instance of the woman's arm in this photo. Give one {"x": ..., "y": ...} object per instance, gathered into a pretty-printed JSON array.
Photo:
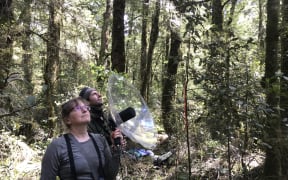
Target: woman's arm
[{"x": 50, "y": 162}]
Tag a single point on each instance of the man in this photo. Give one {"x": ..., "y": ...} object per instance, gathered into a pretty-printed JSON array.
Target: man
[
  {"x": 99, "y": 123},
  {"x": 99, "y": 120}
]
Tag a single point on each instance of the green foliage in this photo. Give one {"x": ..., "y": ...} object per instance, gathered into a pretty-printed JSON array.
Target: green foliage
[{"x": 224, "y": 95}]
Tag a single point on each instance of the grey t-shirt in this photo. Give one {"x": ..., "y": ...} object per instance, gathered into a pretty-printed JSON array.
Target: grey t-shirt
[{"x": 56, "y": 159}]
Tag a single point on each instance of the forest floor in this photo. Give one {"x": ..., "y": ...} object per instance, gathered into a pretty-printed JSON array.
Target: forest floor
[
  {"x": 22, "y": 162},
  {"x": 205, "y": 164}
]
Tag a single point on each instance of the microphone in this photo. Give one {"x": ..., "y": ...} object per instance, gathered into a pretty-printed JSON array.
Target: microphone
[{"x": 125, "y": 115}]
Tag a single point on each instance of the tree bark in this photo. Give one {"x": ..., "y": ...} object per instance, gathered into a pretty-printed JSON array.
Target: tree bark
[
  {"x": 272, "y": 166},
  {"x": 217, "y": 15},
  {"x": 6, "y": 42},
  {"x": 261, "y": 32},
  {"x": 105, "y": 34},
  {"x": 284, "y": 88},
  {"x": 215, "y": 72},
  {"x": 118, "y": 41},
  {"x": 130, "y": 43},
  {"x": 169, "y": 83},
  {"x": 26, "y": 127},
  {"x": 26, "y": 45},
  {"x": 143, "y": 60},
  {"x": 52, "y": 61},
  {"x": 153, "y": 39},
  {"x": 232, "y": 11}
]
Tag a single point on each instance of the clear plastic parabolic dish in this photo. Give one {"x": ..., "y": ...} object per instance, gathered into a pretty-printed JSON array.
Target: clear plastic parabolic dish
[{"x": 140, "y": 127}]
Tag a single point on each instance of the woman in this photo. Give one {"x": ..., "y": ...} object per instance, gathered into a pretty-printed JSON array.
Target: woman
[{"x": 78, "y": 154}]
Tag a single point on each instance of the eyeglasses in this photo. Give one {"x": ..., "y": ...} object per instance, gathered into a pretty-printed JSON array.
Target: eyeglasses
[{"x": 81, "y": 108}]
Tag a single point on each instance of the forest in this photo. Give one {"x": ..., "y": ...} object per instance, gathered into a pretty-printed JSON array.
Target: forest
[{"x": 214, "y": 74}]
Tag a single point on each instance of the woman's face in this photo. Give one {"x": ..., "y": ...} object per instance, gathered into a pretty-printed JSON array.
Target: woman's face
[
  {"x": 95, "y": 98},
  {"x": 79, "y": 115}
]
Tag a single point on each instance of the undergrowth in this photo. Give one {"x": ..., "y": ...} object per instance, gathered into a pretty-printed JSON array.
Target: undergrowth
[
  {"x": 208, "y": 160},
  {"x": 17, "y": 159}
]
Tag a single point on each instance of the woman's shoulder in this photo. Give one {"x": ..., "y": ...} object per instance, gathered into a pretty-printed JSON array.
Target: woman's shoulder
[
  {"x": 56, "y": 146},
  {"x": 58, "y": 141},
  {"x": 98, "y": 137}
]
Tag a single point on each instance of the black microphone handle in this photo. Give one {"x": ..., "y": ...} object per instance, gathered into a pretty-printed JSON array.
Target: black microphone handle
[
  {"x": 117, "y": 141},
  {"x": 125, "y": 115}
]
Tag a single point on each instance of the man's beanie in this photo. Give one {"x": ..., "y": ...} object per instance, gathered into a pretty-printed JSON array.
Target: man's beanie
[{"x": 85, "y": 92}]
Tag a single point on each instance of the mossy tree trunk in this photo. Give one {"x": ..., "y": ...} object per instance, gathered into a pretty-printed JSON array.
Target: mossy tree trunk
[
  {"x": 272, "y": 166},
  {"x": 284, "y": 88},
  {"x": 105, "y": 35},
  {"x": 152, "y": 42},
  {"x": 261, "y": 31},
  {"x": 26, "y": 45},
  {"x": 26, "y": 128},
  {"x": 169, "y": 83},
  {"x": 118, "y": 40},
  {"x": 6, "y": 42},
  {"x": 52, "y": 62},
  {"x": 143, "y": 59}
]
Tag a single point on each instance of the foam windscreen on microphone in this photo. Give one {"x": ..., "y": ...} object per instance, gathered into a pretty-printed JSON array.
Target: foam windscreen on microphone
[{"x": 127, "y": 114}]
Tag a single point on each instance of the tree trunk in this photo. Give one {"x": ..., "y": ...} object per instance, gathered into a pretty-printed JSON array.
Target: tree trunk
[
  {"x": 153, "y": 39},
  {"x": 26, "y": 127},
  {"x": 130, "y": 43},
  {"x": 143, "y": 60},
  {"x": 284, "y": 88},
  {"x": 217, "y": 15},
  {"x": 105, "y": 34},
  {"x": 261, "y": 32},
  {"x": 215, "y": 73},
  {"x": 26, "y": 45},
  {"x": 232, "y": 11},
  {"x": 6, "y": 42},
  {"x": 118, "y": 42},
  {"x": 169, "y": 83},
  {"x": 272, "y": 166},
  {"x": 52, "y": 62}
]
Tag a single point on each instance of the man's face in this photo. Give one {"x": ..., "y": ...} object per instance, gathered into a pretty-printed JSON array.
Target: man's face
[{"x": 95, "y": 98}]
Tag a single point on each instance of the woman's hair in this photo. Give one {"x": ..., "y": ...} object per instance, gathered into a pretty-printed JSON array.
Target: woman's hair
[{"x": 68, "y": 107}]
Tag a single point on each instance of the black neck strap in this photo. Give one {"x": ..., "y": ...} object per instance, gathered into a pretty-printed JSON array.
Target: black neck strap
[
  {"x": 71, "y": 159},
  {"x": 101, "y": 170}
]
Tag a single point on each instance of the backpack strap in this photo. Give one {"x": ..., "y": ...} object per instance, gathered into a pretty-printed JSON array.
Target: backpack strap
[
  {"x": 71, "y": 159},
  {"x": 101, "y": 170}
]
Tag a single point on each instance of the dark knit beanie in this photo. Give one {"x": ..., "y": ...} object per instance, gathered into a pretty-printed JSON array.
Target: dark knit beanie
[{"x": 85, "y": 92}]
